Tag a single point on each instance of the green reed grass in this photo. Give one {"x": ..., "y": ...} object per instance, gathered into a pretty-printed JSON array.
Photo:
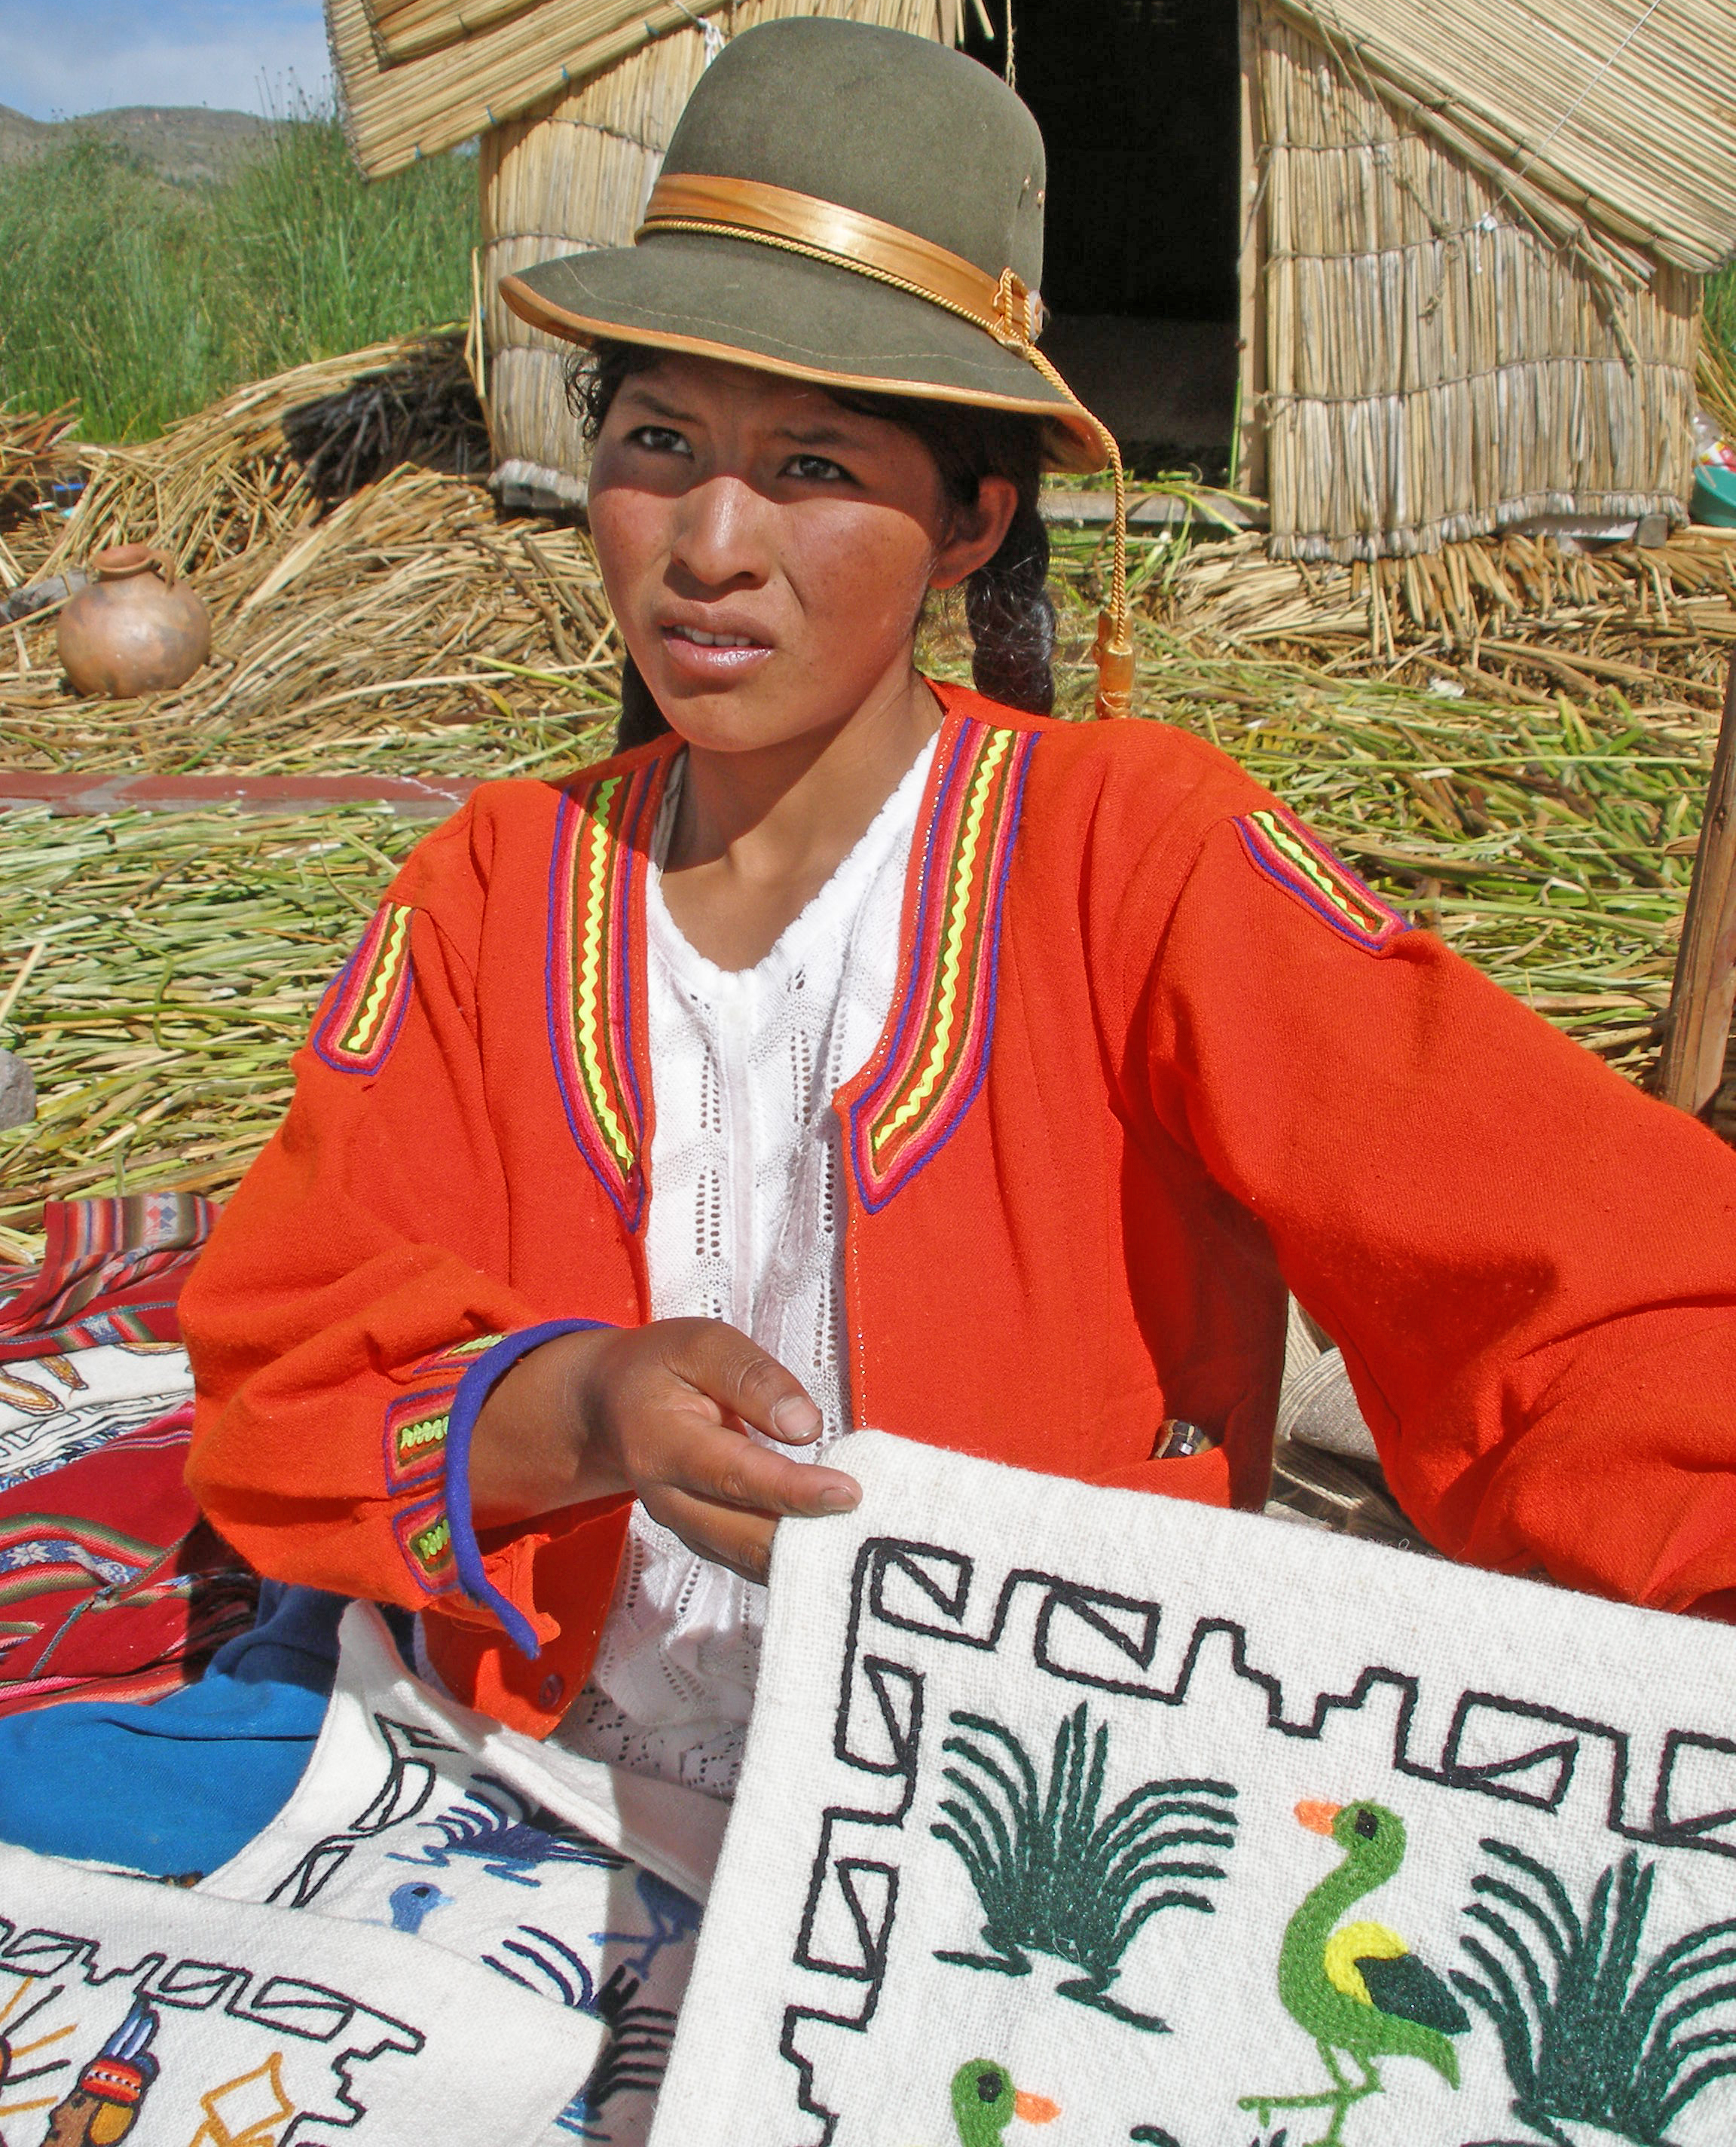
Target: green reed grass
[
  {"x": 143, "y": 300},
  {"x": 1720, "y": 306}
]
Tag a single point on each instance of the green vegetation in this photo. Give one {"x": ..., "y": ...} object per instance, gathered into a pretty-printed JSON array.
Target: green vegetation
[
  {"x": 1589, "y": 2035},
  {"x": 143, "y": 300},
  {"x": 1720, "y": 307},
  {"x": 1055, "y": 1873}
]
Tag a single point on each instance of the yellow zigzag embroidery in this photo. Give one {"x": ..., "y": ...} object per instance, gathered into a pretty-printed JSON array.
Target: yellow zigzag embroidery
[
  {"x": 590, "y": 969},
  {"x": 993, "y": 753},
  {"x": 363, "y": 1028},
  {"x": 1304, "y": 860}
]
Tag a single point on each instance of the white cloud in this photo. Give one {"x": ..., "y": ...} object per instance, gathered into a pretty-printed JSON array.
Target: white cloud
[{"x": 68, "y": 57}]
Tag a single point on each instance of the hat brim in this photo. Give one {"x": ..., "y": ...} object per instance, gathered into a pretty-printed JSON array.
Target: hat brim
[{"x": 783, "y": 312}]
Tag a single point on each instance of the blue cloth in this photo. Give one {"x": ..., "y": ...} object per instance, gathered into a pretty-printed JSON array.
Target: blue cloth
[{"x": 180, "y": 1785}]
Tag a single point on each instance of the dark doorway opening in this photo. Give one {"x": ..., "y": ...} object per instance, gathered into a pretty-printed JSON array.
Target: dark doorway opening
[{"x": 1140, "y": 105}]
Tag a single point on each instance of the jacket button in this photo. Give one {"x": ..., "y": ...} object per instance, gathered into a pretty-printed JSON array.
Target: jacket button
[{"x": 548, "y": 1693}]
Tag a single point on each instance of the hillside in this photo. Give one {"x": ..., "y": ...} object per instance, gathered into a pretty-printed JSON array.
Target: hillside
[{"x": 185, "y": 145}]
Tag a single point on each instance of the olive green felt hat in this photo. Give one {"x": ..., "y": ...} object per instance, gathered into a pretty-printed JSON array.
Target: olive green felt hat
[{"x": 845, "y": 204}]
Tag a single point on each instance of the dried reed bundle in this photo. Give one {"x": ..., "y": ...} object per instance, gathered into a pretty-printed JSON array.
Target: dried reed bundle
[
  {"x": 407, "y": 632},
  {"x": 406, "y": 29},
  {"x": 1516, "y": 619},
  {"x": 406, "y": 627},
  {"x": 1436, "y": 367},
  {"x": 268, "y": 458},
  {"x": 574, "y": 172}
]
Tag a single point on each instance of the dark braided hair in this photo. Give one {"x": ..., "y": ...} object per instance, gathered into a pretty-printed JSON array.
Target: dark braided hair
[{"x": 1006, "y": 603}]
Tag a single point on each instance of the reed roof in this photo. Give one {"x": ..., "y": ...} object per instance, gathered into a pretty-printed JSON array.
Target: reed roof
[
  {"x": 1622, "y": 111},
  {"x": 416, "y": 77}
]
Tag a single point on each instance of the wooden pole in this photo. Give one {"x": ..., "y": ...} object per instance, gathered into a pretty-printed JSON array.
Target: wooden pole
[{"x": 1705, "y": 990}]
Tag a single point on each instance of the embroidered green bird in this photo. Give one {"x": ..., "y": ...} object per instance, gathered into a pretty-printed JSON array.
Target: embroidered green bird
[
  {"x": 985, "y": 2102},
  {"x": 1359, "y": 1990}
]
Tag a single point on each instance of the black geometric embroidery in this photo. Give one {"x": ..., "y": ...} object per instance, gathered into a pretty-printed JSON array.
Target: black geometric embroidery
[
  {"x": 1513, "y": 1750},
  {"x": 408, "y": 1784}
]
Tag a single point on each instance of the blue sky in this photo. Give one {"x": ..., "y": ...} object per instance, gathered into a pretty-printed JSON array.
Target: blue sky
[{"x": 60, "y": 57}]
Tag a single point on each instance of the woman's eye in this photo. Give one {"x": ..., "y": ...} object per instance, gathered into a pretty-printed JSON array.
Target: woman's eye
[
  {"x": 815, "y": 470},
  {"x": 659, "y": 440}
]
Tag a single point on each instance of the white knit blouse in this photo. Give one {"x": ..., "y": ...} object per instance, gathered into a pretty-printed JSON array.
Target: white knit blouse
[{"x": 745, "y": 1225}]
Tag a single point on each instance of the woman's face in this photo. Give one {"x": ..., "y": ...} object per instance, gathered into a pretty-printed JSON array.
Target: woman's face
[{"x": 766, "y": 551}]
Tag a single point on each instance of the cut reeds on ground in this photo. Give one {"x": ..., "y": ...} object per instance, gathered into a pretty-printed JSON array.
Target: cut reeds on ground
[{"x": 1511, "y": 742}]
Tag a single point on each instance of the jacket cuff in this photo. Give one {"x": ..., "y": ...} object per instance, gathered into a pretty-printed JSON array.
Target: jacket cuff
[{"x": 474, "y": 1388}]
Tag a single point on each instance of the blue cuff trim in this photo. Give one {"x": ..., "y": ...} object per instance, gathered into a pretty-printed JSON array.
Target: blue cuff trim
[{"x": 474, "y": 1389}]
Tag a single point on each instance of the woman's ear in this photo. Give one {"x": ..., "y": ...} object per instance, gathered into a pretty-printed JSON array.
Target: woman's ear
[{"x": 976, "y": 532}]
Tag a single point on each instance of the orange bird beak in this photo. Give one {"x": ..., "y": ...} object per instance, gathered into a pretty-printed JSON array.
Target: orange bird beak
[
  {"x": 1035, "y": 2109},
  {"x": 1317, "y": 1819}
]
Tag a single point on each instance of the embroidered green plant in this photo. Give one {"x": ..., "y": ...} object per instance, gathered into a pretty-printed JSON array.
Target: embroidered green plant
[
  {"x": 1588, "y": 2035},
  {"x": 1057, "y": 1874}
]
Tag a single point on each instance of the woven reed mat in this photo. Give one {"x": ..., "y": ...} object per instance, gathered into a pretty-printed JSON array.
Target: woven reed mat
[{"x": 1074, "y": 1817}]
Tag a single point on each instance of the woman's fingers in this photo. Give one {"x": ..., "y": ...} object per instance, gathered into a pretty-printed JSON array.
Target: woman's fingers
[
  {"x": 741, "y": 1541},
  {"x": 742, "y": 1380},
  {"x": 723, "y": 1468}
]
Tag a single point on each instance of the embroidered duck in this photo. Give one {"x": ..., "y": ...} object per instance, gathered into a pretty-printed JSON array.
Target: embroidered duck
[
  {"x": 985, "y": 2102},
  {"x": 1360, "y": 1989},
  {"x": 413, "y": 1902}
]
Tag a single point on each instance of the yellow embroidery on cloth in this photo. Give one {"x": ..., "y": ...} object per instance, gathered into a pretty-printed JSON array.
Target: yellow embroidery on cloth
[
  {"x": 1357, "y": 1942},
  {"x": 363, "y": 1032},
  {"x": 592, "y": 952},
  {"x": 963, "y": 879}
]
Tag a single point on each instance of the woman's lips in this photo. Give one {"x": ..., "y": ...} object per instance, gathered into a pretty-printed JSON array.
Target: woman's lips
[{"x": 694, "y": 653}]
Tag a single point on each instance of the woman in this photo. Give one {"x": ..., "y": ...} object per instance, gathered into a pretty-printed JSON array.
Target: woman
[{"x": 857, "y": 1050}]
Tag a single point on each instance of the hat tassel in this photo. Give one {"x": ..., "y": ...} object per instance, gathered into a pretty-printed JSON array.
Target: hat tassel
[
  {"x": 1114, "y": 651},
  {"x": 1114, "y": 654}
]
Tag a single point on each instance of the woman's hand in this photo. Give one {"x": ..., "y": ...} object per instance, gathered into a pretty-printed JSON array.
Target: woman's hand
[{"x": 661, "y": 1411}]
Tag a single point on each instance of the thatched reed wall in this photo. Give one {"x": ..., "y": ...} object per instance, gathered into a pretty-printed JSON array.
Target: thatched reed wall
[
  {"x": 574, "y": 173},
  {"x": 1433, "y": 368}
]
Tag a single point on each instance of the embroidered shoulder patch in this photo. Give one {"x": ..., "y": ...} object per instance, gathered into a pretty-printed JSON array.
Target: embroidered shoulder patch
[
  {"x": 367, "y": 1010},
  {"x": 596, "y": 864},
  {"x": 1281, "y": 849},
  {"x": 939, "y": 1049}
]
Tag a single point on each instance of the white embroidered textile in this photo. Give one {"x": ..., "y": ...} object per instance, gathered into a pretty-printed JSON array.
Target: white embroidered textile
[
  {"x": 564, "y": 1889},
  {"x": 745, "y": 1225},
  {"x": 1169, "y": 1825}
]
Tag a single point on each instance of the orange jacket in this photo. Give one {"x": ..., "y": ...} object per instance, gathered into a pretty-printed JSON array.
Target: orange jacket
[{"x": 1154, "y": 1054}]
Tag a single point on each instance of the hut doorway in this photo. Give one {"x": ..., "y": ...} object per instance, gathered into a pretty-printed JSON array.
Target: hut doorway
[{"x": 1139, "y": 102}]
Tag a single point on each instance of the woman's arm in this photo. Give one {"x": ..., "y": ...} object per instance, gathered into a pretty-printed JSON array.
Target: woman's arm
[
  {"x": 1529, "y": 1266},
  {"x": 380, "y": 1412}
]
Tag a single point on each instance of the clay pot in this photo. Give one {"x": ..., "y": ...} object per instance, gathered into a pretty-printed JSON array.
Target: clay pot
[{"x": 134, "y": 629}]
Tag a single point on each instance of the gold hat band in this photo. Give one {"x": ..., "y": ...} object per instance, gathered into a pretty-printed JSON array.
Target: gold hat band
[
  {"x": 1003, "y": 306},
  {"x": 746, "y": 209}
]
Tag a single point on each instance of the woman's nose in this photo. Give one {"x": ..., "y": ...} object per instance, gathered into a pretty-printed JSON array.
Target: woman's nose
[{"x": 719, "y": 538}]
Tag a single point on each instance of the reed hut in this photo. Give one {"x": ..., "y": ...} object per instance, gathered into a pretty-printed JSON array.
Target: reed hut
[
  {"x": 574, "y": 102},
  {"x": 1429, "y": 268}
]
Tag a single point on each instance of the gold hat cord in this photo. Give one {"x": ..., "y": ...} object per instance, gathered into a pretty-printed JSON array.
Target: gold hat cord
[{"x": 1014, "y": 308}]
